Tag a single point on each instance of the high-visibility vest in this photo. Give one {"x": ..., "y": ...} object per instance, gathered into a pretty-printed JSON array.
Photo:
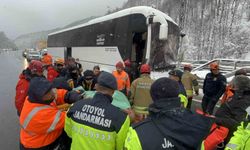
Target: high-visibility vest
[
  {"x": 122, "y": 79},
  {"x": 40, "y": 124}
]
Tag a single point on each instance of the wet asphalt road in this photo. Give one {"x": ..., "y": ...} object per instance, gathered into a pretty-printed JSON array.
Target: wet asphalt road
[{"x": 11, "y": 64}]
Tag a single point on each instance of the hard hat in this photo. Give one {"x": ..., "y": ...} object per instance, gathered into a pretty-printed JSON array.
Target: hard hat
[
  {"x": 45, "y": 51},
  {"x": 119, "y": 65},
  {"x": 176, "y": 72},
  {"x": 214, "y": 66},
  {"x": 145, "y": 68},
  {"x": 127, "y": 63},
  {"x": 59, "y": 61},
  {"x": 36, "y": 66},
  {"x": 188, "y": 66}
]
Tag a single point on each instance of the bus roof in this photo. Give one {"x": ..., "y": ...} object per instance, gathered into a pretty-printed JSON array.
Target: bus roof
[{"x": 145, "y": 10}]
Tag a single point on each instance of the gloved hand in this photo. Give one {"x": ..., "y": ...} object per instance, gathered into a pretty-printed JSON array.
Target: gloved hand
[{"x": 72, "y": 96}]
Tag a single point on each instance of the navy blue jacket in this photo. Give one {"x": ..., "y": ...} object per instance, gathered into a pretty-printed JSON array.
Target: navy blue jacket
[
  {"x": 214, "y": 85},
  {"x": 169, "y": 123},
  {"x": 182, "y": 89}
]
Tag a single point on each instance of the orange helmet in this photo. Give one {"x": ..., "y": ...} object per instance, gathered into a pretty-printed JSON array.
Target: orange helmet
[
  {"x": 214, "y": 66},
  {"x": 59, "y": 61}
]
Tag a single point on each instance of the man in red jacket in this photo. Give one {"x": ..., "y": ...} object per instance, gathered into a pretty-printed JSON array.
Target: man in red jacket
[
  {"x": 55, "y": 70},
  {"x": 35, "y": 69}
]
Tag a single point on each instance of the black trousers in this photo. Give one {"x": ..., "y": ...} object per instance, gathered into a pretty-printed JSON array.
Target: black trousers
[
  {"x": 189, "y": 103},
  {"x": 208, "y": 104}
]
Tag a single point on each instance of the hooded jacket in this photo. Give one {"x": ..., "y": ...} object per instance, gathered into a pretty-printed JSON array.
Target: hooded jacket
[
  {"x": 22, "y": 89},
  {"x": 171, "y": 127},
  {"x": 231, "y": 113}
]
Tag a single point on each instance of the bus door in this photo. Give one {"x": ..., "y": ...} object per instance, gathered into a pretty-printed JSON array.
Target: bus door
[{"x": 139, "y": 47}]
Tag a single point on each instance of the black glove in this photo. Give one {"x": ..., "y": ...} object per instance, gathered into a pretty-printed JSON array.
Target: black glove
[{"x": 72, "y": 96}]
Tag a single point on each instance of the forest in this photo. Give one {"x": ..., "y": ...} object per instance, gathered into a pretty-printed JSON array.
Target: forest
[{"x": 213, "y": 28}]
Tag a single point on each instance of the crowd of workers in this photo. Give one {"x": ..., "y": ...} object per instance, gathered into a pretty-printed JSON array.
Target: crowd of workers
[{"x": 55, "y": 114}]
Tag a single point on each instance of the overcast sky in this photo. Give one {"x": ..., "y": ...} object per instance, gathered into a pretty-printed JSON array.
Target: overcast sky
[{"x": 24, "y": 16}]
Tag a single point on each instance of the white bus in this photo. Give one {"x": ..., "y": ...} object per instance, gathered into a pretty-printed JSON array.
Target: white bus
[{"x": 141, "y": 34}]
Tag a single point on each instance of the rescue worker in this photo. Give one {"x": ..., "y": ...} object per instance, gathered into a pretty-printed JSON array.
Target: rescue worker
[
  {"x": 96, "y": 71},
  {"x": 46, "y": 59},
  {"x": 34, "y": 69},
  {"x": 227, "y": 96},
  {"x": 241, "y": 140},
  {"x": 128, "y": 70},
  {"x": 168, "y": 126},
  {"x": 122, "y": 78},
  {"x": 95, "y": 123},
  {"x": 177, "y": 75},
  {"x": 189, "y": 82},
  {"x": 87, "y": 81},
  {"x": 140, "y": 93},
  {"x": 41, "y": 121},
  {"x": 72, "y": 76},
  {"x": 213, "y": 87},
  {"x": 55, "y": 70},
  {"x": 79, "y": 66},
  {"x": 231, "y": 113}
]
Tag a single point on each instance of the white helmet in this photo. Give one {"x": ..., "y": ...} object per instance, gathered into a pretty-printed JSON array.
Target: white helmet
[{"x": 45, "y": 51}]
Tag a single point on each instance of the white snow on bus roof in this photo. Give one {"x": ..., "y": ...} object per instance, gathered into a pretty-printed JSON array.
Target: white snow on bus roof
[{"x": 144, "y": 10}]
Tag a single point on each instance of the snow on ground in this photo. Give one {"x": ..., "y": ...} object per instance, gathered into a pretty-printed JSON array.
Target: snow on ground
[{"x": 156, "y": 75}]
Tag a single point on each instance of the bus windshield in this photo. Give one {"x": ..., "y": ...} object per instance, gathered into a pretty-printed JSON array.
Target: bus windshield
[{"x": 164, "y": 52}]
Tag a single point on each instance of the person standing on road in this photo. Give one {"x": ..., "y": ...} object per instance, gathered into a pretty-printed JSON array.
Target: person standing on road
[
  {"x": 177, "y": 75},
  {"x": 128, "y": 70},
  {"x": 95, "y": 123},
  {"x": 168, "y": 126},
  {"x": 55, "y": 71},
  {"x": 228, "y": 95},
  {"x": 140, "y": 93},
  {"x": 41, "y": 121},
  {"x": 96, "y": 71},
  {"x": 189, "y": 82},
  {"x": 79, "y": 66},
  {"x": 46, "y": 59},
  {"x": 213, "y": 87},
  {"x": 35, "y": 69},
  {"x": 231, "y": 113},
  {"x": 241, "y": 139},
  {"x": 122, "y": 78}
]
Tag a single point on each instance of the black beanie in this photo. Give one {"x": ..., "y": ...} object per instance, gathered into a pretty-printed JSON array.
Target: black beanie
[
  {"x": 88, "y": 73},
  {"x": 39, "y": 86},
  {"x": 107, "y": 80},
  {"x": 164, "y": 88}
]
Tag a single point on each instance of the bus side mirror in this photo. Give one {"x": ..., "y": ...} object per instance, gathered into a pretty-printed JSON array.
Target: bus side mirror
[{"x": 163, "y": 33}]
